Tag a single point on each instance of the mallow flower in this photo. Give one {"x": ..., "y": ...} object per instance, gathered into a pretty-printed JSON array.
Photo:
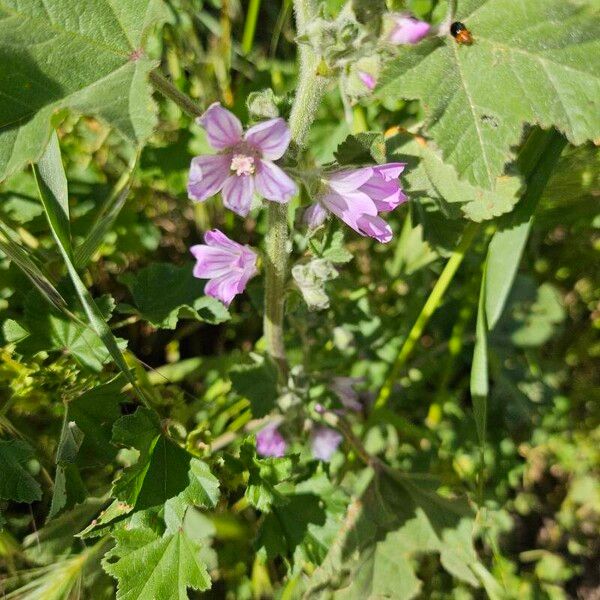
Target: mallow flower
[
  {"x": 357, "y": 196},
  {"x": 226, "y": 264},
  {"x": 243, "y": 163},
  {"x": 325, "y": 442},
  {"x": 407, "y": 30},
  {"x": 269, "y": 442}
]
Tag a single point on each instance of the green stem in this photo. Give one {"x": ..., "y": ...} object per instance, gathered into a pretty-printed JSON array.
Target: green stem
[
  {"x": 167, "y": 89},
  {"x": 276, "y": 258},
  {"x": 430, "y": 306},
  {"x": 306, "y": 102},
  {"x": 250, "y": 26}
]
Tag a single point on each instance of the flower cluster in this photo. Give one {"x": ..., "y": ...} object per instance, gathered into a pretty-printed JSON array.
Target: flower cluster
[
  {"x": 244, "y": 168},
  {"x": 324, "y": 442}
]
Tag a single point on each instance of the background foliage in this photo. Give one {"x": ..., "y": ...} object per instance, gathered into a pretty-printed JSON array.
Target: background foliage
[{"x": 129, "y": 400}]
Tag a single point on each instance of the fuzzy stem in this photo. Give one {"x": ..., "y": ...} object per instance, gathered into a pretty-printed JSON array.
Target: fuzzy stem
[
  {"x": 433, "y": 301},
  {"x": 309, "y": 93},
  {"x": 167, "y": 89}
]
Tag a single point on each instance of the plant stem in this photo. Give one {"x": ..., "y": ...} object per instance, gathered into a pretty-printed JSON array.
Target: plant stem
[
  {"x": 310, "y": 90},
  {"x": 167, "y": 89},
  {"x": 250, "y": 26},
  {"x": 430, "y": 306}
]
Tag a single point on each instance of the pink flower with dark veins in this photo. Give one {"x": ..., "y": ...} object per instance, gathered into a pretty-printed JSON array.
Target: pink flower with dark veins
[
  {"x": 226, "y": 264},
  {"x": 269, "y": 442},
  {"x": 407, "y": 30},
  {"x": 244, "y": 163},
  {"x": 357, "y": 196}
]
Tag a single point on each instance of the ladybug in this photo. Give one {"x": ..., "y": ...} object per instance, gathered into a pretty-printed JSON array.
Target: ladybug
[{"x": 461, "y": 34}]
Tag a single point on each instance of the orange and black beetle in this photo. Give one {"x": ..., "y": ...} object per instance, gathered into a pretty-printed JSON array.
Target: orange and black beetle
[{"x": 461, "y": 34}]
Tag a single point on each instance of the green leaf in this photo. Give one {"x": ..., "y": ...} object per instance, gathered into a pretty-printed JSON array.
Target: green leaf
[
  {"x": 69, "y": 488},
  {"x": 428, "y": 177},
  {"x": 360, "y": 149},
  {"x": 148, "y": 566},
  {"x": 334, "y": 249},
  {"x": 203, "y": 491},
  {"x": 84, "y": 56},
  {"x": 507, "y": 245},
  {"x": 534, "y": 62},
  {"x": 257, "y": 383},
  {"x": 164, "y": 293},
  {"x": 52, "y": 331},
  {"x": 49, "y": 174},
  {"x": 395, "y": 520},
  {"x": 269, "y": 479},
  {"x": 161, "y": 470},
  {"x": 95, "y": 412},
  {"x": 16, "y": 482}
]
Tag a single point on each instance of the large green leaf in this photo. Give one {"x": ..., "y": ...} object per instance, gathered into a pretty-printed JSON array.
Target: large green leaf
[
  {"x": 148, "y": 566},
  {"x": 164, "y": 293},
  {"x": 429, "y": 179},
  {"x": 532, "y": 62},
  {"x": 49, "y": 330},
  {"x": 87, "y": 56},
  {"x": 397, "y": 518},
  {"x": 16, "y": 482},
  {"x": 161, "y": 470}
]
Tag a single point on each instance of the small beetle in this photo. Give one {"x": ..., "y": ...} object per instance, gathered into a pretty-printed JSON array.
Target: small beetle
[{"x": 461, "y": 34}]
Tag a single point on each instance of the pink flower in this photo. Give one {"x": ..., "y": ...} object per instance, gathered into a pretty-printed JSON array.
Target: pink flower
[
  {"x": 244, "y": 163},
  {"x": 269, "y": 442},
  {"x": 368, "y": 79},
  {"x": 228, "y": 265},
  {"x": 407, "y": 30},
  {"x": 356, "y": 197},
  {"x": 325, "y": 442}
]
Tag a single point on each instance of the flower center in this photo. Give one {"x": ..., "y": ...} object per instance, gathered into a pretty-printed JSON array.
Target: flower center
[{"x": 242, "y": 164}]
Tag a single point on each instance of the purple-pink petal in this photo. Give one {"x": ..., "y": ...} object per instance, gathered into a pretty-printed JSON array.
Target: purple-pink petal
[
  {"x": 315, "y": 215},
  {"x": 349, "y": 180},
  {"x": 207, "y": 176},
  {"x": 408, "y": 30},
  {"x": 350, "y": 207},
  {"x": 368, "y": 79},
  {"x": 211, "y": 262},
  {"x": 325, "y": 442},
  {"x": 374, "y": 227},
  {"x": 237, "y": 193},
  {"x": 270, "y": 138},
  {"x": 273, "y": 183},
  {"x": 389, "y": 171},
  {"x": 226, "y": 264},
  {"x": 222, "y": 127},
  {"x": 269, "y": 442}
]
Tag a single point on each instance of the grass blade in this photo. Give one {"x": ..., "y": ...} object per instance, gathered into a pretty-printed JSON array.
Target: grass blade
[
  {"x": 20, "y": 257},
  {"x": 106, "y": 218},
  {"x": 50, "y": 177}
]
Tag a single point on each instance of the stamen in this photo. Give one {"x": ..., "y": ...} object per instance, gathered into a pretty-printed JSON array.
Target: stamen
[{"x": 242, "y": 164}]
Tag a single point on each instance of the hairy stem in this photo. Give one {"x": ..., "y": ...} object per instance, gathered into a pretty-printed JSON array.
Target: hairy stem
[
  {"x": 309, "y": 93},
  {"x": 430, "y": 306},
  {"x": 167, "y": 89}
]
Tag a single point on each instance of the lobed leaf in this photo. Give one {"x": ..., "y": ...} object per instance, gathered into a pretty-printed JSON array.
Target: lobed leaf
[
  {"x": 535, "y": 62},
  {"x": 88, "y": 57}
]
